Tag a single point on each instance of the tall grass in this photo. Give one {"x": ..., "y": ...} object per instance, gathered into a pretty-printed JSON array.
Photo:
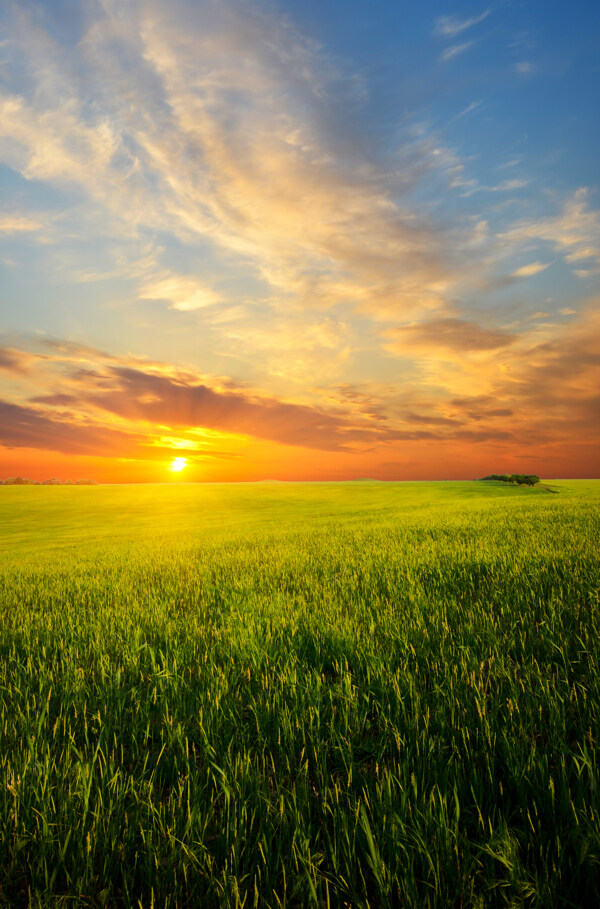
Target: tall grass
[{"x": 312, "y": 695}]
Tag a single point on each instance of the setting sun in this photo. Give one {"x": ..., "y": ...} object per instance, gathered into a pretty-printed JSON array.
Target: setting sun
[{"x": 178, "y": 464}]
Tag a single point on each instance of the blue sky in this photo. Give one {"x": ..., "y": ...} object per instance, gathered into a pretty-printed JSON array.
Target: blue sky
[{"x": 383, "y": 217}]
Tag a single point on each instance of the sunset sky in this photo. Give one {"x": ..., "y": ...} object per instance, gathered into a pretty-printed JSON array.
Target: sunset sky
[{"x": 317, "y": 239}]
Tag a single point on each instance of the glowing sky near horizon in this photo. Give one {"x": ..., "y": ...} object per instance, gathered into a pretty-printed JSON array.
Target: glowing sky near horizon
[{"x": 299, "y": 240}]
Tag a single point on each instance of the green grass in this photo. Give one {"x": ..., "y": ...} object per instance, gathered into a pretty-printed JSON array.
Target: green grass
[{"x": 300, "y": 695}]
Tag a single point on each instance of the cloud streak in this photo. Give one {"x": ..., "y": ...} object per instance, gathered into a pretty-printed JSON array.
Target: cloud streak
[
  {"x": 455, "y": 51},
  {"x": 15, "y": 361},
  {"x": 575, "y": 232},
  {"x": 28, "y": 427},
  {"x": 452, "y": 334},
  {"x": 13, "y": 224},
  {"x": 181, "y": 293},
  {"x": 527, "y": 271},
  {"x": 451, "y": 26}
]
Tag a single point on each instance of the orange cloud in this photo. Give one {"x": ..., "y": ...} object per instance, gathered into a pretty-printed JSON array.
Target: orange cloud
[
  {"x": 453, "y": 334},
  {"x": 15, "y": 361},
  {"x": 134, "y": 412},
  {"x": 546, "y": 395}
]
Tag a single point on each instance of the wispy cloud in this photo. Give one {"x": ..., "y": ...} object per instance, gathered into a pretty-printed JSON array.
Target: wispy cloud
[
  {"x": 15, "y": 361},
  {"x": 455, "y": 50},
  {"x": 227, "y": 127},
  {"x": 512, "y": 162},
  {"x": 235, "y": 130},
  {"x": 453, "y": 334},
  {"x": 182, "y": 293},
  {"x": 11, "y": 224},
  {"x": 575, "y": 232},
  {"x": 467, "y": 110},
  {"x": 450, "y": 26},
  {"x": 505, "y": 186},
  {"x": 527, "y": 271}
]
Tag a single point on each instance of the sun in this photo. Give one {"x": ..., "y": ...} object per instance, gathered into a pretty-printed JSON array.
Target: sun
[{"x": 178, "y": 464}]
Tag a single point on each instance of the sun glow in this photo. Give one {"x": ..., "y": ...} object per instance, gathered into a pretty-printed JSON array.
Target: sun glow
[{"x": 178, "y": 464}]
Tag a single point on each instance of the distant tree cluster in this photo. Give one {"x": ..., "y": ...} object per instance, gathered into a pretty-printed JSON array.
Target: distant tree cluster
[
  {"x": 24, "y": 481},
  {"x": 520, "y": 479}
]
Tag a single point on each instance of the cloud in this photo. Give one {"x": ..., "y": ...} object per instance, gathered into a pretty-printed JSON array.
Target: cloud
[
  {"x": 142, "y": 396},
  {"x": 430, "y": 419},
  {"x": 83, "y": 385},
  {"x": 527, "y": 271},
  {"x": 450, "y": 26},
  {"x": 512, "y": 162},
  {"x": 467, "y": 110},
  {"x": 556, "y": 384},
  {"x": 535, "y": 393},
  {"x": 575, "y": 232},
  {"x": 508, "y": 186},
  {"x": 11, "y": 224},
  {"x": 455, "y": 50},
  {"x": 181, "y": 293},
  {"x": 547, "y": 394},
  {"x": 27, "y": 427},
  {"x": 504, "y": 187},
  {"x": 226, "y": 125},
  {"x": 54, "y": 144},
  {"x": 132, "y": 408},
  {"x": 451, "y": 333},
  {"x": 480, "y": 407},
  {"x": 524, "y": 68},
  {"x": 15, "y": 361},
  {"x": 32, "y": 427},
  {"x": 73, "y": 350}
]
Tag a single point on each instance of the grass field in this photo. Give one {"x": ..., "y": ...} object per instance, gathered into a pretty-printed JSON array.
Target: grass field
[{"x": 357, "y": 694}]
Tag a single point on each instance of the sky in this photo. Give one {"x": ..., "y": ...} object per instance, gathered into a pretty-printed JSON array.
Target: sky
[{"x": 299, "y": 240}]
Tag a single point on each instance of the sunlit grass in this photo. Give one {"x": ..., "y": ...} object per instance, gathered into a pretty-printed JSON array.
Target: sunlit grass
[{"x": 311, "y": 694}]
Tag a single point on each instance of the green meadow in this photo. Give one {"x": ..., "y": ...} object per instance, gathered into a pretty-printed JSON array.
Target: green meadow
[{"x": 332, "y": 694}]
